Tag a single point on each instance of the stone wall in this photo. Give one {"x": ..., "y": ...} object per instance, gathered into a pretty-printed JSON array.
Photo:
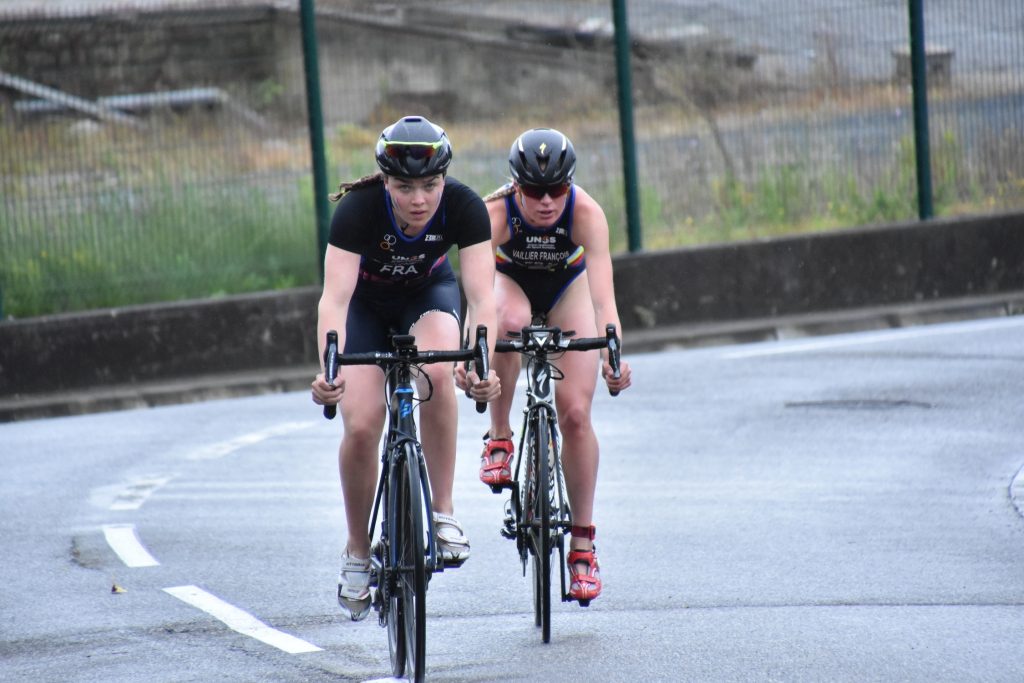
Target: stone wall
[
  {"x": 118, "y": 52},
  {"x": 372, "y": 64}
]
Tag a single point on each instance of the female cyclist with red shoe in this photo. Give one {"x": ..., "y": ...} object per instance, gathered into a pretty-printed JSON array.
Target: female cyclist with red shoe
[{"x": 553, "y": 258}]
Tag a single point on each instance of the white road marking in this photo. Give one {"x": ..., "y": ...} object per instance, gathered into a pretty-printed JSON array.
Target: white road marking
[
  {"x": 219, "y": 450},
  {"x": 240, "y": 621},
  {"x": 136, "y": 493},
  {"x": 819, "y": 343},
  {"x": 125, "y": 542},
  {"x": 1017, "y": 491}
]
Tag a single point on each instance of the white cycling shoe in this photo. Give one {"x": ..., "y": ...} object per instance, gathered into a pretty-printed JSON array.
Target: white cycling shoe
[
  {"x": 354, "y": 586},
  {"x": 452, "y": 543}
]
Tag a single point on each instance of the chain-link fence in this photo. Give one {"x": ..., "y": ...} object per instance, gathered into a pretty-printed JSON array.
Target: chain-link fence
[
  {"x": 152, "y": 151},
  {"x": 150, "y": 156},
  {"x": 792, "y": 116}
]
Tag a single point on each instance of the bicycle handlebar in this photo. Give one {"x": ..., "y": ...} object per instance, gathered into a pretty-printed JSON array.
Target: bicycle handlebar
[
  {"x": 614, "y": 349},
  {"x": 333, "y": 359},
  {"x": 331, "y": 369},
  {"x": 480, "y": 361},
  {"x": 533, "y": 338}
]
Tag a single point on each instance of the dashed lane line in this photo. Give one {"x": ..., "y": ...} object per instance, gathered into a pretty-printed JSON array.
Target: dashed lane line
[
  {"x": 219, "y": 450},
  {"x": 240, "y": 620},
  {"x": 136, "y": 493},
  {"x": 125, "y": 542},
  {"x": 1017, "y": 491}
]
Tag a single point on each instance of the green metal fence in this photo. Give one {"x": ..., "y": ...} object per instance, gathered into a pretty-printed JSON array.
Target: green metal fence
[{"x": 153, "y": 151}]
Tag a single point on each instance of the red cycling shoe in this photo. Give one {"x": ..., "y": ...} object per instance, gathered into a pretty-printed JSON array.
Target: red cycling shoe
[
  {"x": 584, "y": 585},
  {"x": 497, "y": 473}
]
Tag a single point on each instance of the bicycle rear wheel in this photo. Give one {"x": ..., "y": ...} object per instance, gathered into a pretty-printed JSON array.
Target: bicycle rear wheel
[
  {"x": 540, "y": 526},
  {"x": 407, "y": 620}
]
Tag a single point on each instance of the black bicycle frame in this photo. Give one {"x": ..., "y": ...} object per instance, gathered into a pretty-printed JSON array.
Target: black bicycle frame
[
  {"x": 402, "y": 430},
  {"x": 400, "y": 447}
]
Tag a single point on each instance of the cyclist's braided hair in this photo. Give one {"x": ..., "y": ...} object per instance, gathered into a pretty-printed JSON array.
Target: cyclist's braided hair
[
  {"x": 344, "y": 188},
  {"x": 503, "y": 191}
]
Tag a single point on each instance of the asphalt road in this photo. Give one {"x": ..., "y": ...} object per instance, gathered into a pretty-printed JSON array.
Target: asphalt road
[{"x": 840, "y": 508}]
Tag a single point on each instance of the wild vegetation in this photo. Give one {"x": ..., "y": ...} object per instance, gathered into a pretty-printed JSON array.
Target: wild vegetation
[{"x": 98, "y": 216}]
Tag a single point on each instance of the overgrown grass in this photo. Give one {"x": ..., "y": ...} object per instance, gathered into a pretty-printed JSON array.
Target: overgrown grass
[
  {"x": 123, "y": 217},
  {"x": 794, "y": 198},
  {"x": 187, "y": 243}
]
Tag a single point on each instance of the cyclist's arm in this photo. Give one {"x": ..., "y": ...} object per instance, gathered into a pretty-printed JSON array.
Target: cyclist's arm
[
  {"x": 591, "y": 231},
  {"x": 341, "y": 270},
  {"x": 499, "y": 235},
  {"x": 476, "y": 263},
  {"x": 499, "y": 223}
]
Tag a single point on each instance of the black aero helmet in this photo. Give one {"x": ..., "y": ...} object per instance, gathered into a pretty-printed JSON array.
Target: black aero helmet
[
  {"x": 542, "y": 156},
  {"x": 413, "y": 147}
]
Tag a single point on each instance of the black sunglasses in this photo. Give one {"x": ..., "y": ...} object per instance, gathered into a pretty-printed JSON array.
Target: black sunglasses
[{"x": 538, "y": 191}]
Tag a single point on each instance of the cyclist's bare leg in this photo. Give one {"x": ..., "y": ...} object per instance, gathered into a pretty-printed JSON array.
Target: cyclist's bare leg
[
  {"x": 514, "y": 314},
  {"x": 573, "y": 400},
  {"x": 359, "y": 451},
  {"x": 438, "y": 331}
]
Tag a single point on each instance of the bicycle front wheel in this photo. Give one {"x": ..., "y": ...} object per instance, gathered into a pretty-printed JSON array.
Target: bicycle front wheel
[
  {"x": 540, "y": 526},
  {"x": 407, "y": 621}
]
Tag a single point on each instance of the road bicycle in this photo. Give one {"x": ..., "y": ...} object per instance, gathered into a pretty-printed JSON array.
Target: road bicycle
[
  {"x": 405, "y": 553},
  {"x": 537, "y": 514}
]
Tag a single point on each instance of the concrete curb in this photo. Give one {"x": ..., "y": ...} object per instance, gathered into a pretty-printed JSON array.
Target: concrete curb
[{"x": 214, "y": 386}]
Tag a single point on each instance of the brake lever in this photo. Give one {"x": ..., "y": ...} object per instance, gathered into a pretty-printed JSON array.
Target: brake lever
[
  {"x": 480, "y": 361},
  {"x": 331, "y": 369},
  {"x": 614, "y": 349}
]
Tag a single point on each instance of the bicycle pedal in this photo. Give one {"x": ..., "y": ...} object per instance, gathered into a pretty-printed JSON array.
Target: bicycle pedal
[
  {"x": 451, "y": 564},
  {"x": 584, "y": 603}
]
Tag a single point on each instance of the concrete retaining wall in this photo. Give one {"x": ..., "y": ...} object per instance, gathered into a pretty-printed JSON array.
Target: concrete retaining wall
[
  {"x": 247, "y": 339},
  {"x": 447, "y": 67},
  {"x": 899, "y": 264}
]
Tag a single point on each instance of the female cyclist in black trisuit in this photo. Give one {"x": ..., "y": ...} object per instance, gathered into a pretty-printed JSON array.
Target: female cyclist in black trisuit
[{"x": 386, "y": 268}]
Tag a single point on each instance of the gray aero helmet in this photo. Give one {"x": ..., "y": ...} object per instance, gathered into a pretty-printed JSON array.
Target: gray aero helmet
[
  {"x": 413, "y": 147},
  {"x": 542, "y": 156}
]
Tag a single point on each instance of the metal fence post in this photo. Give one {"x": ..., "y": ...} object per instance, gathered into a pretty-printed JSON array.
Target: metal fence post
[
  {"x": 625, "y": 82},
  {"x": 919, "y": 84},
  {"x": 316, "y": 126}
]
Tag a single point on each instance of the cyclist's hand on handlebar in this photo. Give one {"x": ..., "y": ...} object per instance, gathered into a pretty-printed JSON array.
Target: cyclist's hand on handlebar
[
  {"x": 325, "y": 394},
  {"x": 625, "y": 376},
  {"x": 482, "y": 391},
  {"x": 460, "y": 376}
]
